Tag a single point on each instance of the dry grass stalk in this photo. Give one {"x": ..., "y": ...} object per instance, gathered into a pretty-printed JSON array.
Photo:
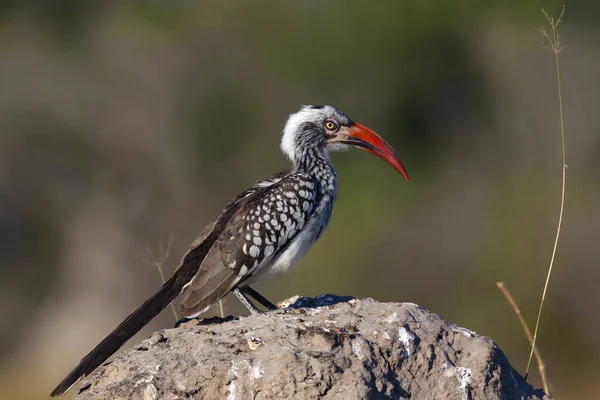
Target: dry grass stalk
[
  {"x": 553, "y": 43},
  {"x": 163, "y": 255},
  {"x": 538, "y": 356}
]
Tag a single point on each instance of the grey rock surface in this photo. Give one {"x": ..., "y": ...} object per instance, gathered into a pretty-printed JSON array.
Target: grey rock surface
[{"x": 329, "y": 347}]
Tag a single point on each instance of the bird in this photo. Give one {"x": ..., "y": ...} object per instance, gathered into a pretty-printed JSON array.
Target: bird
[{"x": 264, "y": 230}]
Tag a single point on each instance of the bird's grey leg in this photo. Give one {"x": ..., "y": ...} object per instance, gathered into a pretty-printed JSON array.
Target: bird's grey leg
[
  {"x": 245, "y": 301},
  {"x": 258, "y": 297}
]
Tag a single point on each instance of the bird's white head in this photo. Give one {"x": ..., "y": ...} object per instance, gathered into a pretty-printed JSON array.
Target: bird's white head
[{"x": 324, "y": 129}]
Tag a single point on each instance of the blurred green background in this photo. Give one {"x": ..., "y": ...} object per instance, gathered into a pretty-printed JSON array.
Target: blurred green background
[{"x": 125, "y": 124}]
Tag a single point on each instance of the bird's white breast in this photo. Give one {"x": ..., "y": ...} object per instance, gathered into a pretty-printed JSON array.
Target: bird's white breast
[{"x": 301, "y": 243}]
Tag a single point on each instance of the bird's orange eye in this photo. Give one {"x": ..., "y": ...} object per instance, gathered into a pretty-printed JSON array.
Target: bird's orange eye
[{"x": 330, "y": 125}]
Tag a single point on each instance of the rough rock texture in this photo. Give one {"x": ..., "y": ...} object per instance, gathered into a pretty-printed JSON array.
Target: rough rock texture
[{"x": 325, "y": 348}]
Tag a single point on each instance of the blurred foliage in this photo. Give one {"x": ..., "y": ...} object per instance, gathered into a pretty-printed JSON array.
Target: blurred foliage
[{"x": 123, "y": 123}]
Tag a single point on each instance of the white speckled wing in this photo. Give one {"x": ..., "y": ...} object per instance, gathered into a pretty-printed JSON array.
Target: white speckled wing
[{"x": 273, "y": 214}]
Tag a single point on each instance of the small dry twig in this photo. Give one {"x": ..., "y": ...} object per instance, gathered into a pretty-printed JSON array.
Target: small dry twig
[{"x": 538, "y": 356}]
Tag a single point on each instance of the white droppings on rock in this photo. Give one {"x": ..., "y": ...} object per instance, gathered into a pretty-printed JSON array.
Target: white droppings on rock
[
  {"x": 296, "y": 327},
  {"x": 150, "y": 392},
  {"x": 464, "y": 331},
  {"x": 232, "y": 387},
  {"x": 257, "y": 372},
  {"x": 232, "y": 390},
  {"x": 290, "y": 317},
  {"x": 406, "y": 337},
  {"x": 150, "y": 372},
  {"x": 357, "y": 350},
  {"x": 464, "y": 379},
  {"x": 392, "y": 318},
  {"x": 386, "y": 335}
]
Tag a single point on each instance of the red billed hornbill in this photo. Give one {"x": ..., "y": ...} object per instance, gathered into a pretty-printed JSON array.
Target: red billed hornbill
[{"x": 266, "y": 229}]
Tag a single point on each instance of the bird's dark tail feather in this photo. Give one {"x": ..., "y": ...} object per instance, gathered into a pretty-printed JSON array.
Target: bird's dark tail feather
[{"x": 132, "y": 324}]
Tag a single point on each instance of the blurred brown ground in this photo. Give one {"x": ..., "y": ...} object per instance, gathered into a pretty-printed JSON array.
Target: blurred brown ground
[{"x": 124, "y": 124}]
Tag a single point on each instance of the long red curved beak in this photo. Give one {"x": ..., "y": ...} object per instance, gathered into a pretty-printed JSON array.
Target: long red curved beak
[{"x": 364, "y": 138}]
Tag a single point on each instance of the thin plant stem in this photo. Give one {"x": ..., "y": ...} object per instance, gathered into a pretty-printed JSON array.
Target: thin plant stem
[
  {"x": 162, "y": 278},
  {"x": 554, "y": 44},
  {"x": 538, "y": 356},
  {"x": 164, "y": 253},
  {"x": 221, "y": 309}
]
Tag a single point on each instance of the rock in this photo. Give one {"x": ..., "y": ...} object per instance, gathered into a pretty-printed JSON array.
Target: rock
[{"x": 329, "y": 347}]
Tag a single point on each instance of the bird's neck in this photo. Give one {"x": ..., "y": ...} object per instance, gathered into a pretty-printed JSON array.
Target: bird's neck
[{"x": 317, "y": 164}]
